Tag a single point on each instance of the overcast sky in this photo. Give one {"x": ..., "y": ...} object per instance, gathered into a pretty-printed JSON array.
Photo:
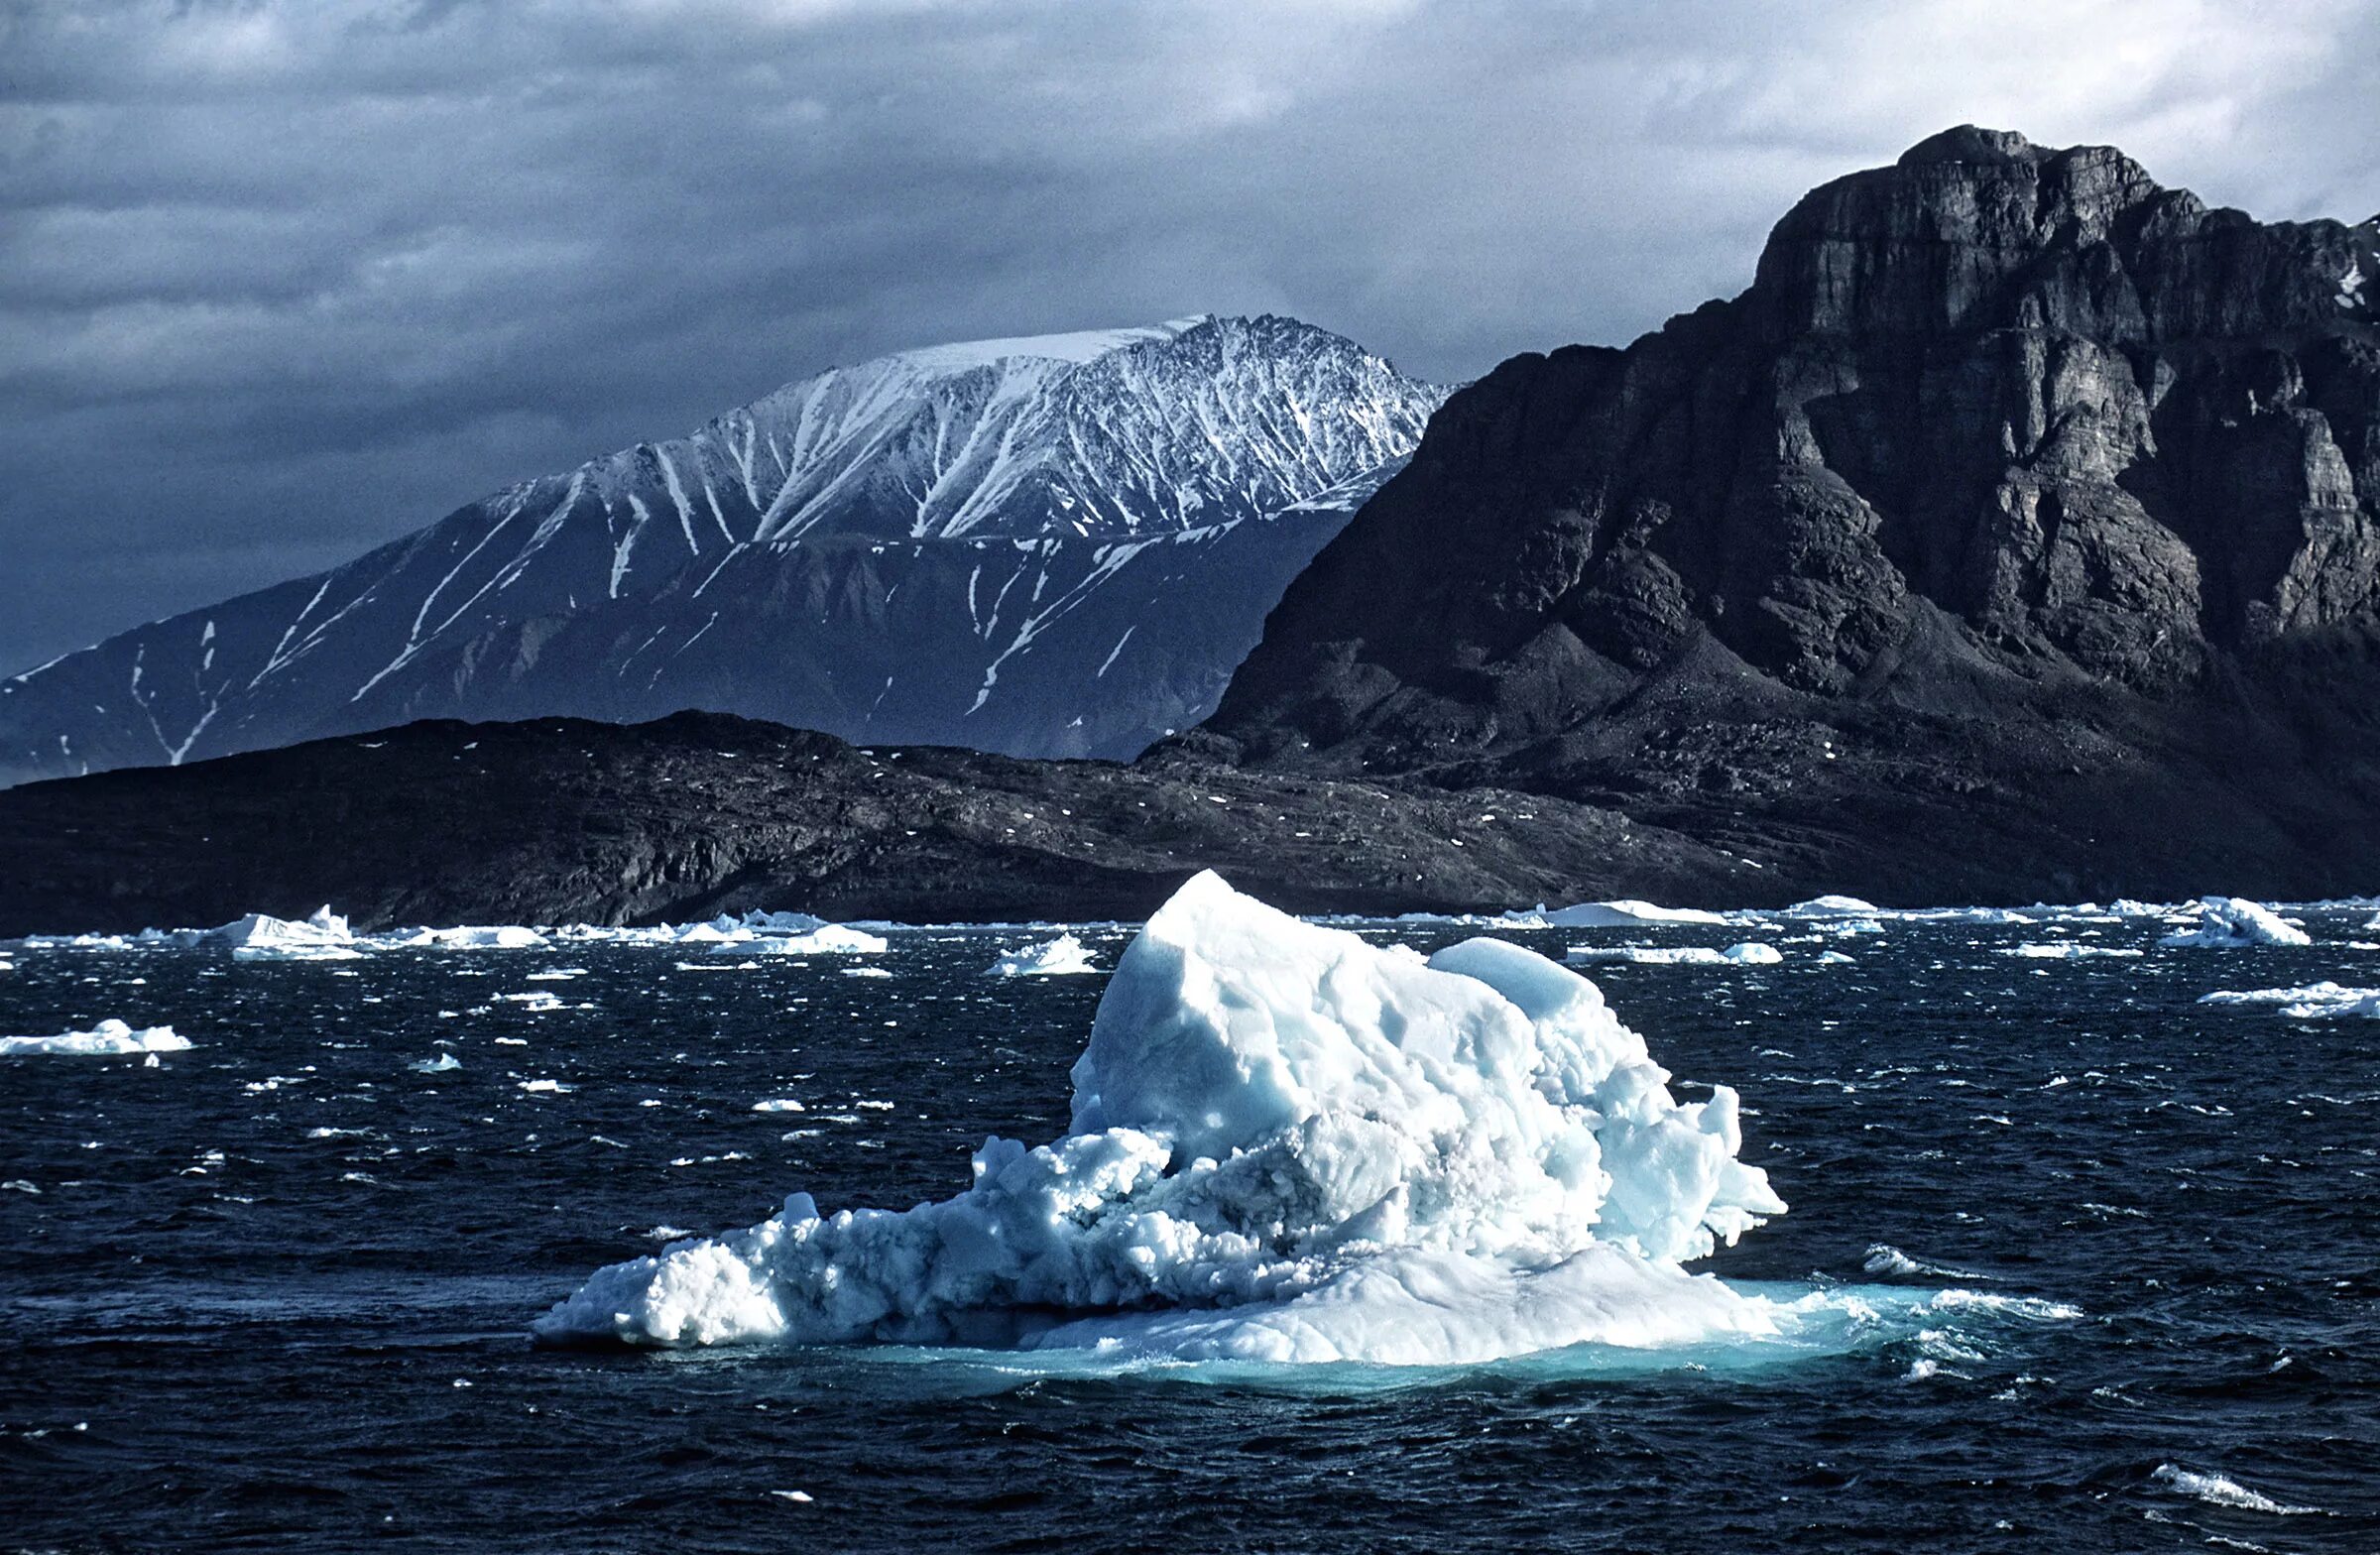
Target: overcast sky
[{"x": 281, "y": 281}]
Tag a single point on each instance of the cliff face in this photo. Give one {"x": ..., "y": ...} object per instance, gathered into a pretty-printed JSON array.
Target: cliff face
[{"x": 1997, "y": 431}]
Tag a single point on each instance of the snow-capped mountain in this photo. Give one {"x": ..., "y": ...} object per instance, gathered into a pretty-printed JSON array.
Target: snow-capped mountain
[{"x": 1050, "y": 547}]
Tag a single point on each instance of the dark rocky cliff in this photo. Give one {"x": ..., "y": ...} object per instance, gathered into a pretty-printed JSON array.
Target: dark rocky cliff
[{"x": 1998, "y": 432}]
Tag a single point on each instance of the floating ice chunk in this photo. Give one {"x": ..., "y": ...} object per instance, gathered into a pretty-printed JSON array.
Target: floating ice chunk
[
  {"x": 1624, "y": 914},
  {"x": 2221, "y": 1492},
  {"x": 2067, "y": 950},
  {"x": 503, "y": 936},
  {"x": 1989, "y": 917},
  {"x": 830, "y": 939},
  {"x": 1063, "y": 956},
  {"x": 445, "y": 1063},
  {"x": 1833, "y": 958},
  {"x": 2231, "y": 923},
  {"x": 778, "y": 922},
  {"x": 1831, "y": 907},
  {"x": 262, "y": 937},
  {"x": 2310, "y": 995},
  {"x": 865, "y": 972},
  {"x": 778, "y": 1103},
  {"x": 107, "y": 1039},
  {"x": 1680, "y": 955},
  {"x": 1286, "y": 1143},
  {"x": 535, "y": 1002}
]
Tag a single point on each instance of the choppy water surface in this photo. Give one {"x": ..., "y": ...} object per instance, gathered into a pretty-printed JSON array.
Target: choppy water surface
[{"x": 272, "y": 1293}]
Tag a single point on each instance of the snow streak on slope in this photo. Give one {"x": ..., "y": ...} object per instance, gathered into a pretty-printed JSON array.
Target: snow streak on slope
[{"x": 686, "y": 573}]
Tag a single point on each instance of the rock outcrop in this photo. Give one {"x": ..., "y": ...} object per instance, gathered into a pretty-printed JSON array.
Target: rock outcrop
[{"x": 1997, "y": 432}]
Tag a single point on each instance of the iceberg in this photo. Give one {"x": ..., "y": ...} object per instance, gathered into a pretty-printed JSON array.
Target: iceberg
[
  {"x": 1620, "y": 914},
  {"x": 1063, "y": 956},
  {"x": 2231, "y": 923},
  {"x": 107, "y": 1039},
  {"x": 320, "y": 936},
  {"x": 1287, "y": 1144},
  {"x": 1824, "y": 907}
]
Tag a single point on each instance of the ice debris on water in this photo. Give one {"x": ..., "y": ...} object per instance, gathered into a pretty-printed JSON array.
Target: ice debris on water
[
  {"x": 2324, "y": 1000},
  {"x": 1064, "y": 956},
  {"x": 2068, "y": 950},
  {"x": 1747, "y": 954},
  {"x": 2232, "y": 922},
  {"x": 1287, "y": 1144},
  {"x": 108, "y": 1039},
  {"x": 828, "y": 939}
]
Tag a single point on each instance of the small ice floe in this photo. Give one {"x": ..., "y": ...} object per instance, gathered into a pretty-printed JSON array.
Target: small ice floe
[
  {"x": 1747, "y": 955},
  {"x": 2067, "y": 950},
  {"x": 2311, "y": 1001},
  {"x": 1833, "y": 958},
  {"x": 1824, "y": 907},
  {"x": 1982, "y": 917},
  {"x": 546, "y": 1088},
  {"x": 108, "y": 1039},
  {"x": 498, "y": 937},
  {"x": 445, "y": 1063},
  {"x": 2233, "y": 922},
  {"x": 320, "y": 936},
  {"x": 865, "y": 972},
  {"x": 1063, "y": 956},
  {"x": 832, "y": 940},
  {"x": 1624, "y": 914},
  {"x": 778, "y": 1103},
  {"x": 535, "y": 1002},
  {"x": 2218, "y": 1491}
]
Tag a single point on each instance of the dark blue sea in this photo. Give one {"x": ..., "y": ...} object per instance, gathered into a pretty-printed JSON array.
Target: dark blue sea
[{"x": 274, "y": 1293}]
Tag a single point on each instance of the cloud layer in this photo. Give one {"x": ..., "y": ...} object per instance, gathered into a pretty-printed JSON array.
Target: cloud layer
[{"x": 281, "y": 281}]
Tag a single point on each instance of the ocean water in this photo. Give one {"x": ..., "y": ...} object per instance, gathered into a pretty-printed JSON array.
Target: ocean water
[{"x": 273, "y": 1292}]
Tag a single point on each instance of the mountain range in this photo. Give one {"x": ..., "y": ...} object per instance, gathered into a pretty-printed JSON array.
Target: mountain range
[
  {"x": 1049, "y": 546},
  {"x": 2015, "y": 534}
]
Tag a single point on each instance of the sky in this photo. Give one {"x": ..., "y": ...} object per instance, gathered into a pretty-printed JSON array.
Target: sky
[{"x": 280, "y": 280}]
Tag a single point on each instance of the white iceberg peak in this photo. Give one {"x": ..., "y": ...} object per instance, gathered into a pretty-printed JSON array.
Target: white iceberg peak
[
  {"x": 1287, "y": 1144},
  {"x": 2231, "y": 923},
  {"x": 1063, "y": 956}
]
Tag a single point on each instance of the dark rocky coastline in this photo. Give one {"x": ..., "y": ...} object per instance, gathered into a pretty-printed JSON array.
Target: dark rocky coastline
[{"x": 2017, "y": 536}]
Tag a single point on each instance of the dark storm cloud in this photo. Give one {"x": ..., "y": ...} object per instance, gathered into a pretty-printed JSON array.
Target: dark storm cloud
[{"x": 282, "y": 281}]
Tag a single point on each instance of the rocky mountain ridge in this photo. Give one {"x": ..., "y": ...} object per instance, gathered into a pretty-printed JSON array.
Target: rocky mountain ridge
[
  {"x": 1992, "y": 425},
  {"x": 2011, "y": 538}
]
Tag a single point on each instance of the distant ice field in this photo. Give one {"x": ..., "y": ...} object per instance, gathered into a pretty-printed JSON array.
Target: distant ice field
[{"x": 2085, "y": 1257}]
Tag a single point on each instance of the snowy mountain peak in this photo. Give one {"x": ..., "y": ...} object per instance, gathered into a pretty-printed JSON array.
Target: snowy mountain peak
[
  {"x": 1054, "y": 544},
  {"x": 1079, "y": 346}
]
